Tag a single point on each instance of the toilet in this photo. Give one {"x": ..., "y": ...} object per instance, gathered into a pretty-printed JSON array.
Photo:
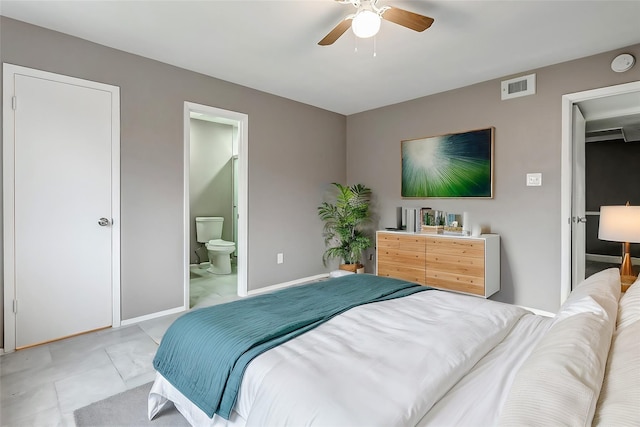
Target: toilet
[{"x": 209, "y": 231}]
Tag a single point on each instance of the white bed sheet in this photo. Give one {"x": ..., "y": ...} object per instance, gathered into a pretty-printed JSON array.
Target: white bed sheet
[
  {"x": 476, "y": 400},
  {"x": 380, "y": 364}
]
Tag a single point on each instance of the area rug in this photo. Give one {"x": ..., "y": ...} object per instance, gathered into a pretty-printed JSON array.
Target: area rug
[{"x": 127, "y": 409}]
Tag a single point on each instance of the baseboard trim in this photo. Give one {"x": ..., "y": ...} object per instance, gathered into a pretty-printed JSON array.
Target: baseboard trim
[
  {"x": 250, "y": 293},
  {"x": 152, "y": 316},
  {"x": 612, "y": 259},
  {"x": 288, "y": 284}
]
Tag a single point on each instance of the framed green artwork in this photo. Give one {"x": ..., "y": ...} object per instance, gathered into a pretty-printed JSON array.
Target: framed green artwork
[{"x": 449, "y": 166}]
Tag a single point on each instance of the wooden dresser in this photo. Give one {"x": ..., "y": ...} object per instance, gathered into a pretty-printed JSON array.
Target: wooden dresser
[{"x": 469, "y": 265}]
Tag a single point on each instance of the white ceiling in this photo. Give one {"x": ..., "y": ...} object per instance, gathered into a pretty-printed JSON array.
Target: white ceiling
[
  {"x": 613, "y": 112},
  {"x": 272, "y": 45}
]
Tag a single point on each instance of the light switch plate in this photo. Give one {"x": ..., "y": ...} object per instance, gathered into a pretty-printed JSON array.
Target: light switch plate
[{"x": 534, "y": 179}]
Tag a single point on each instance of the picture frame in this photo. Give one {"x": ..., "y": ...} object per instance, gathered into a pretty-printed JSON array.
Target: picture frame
[{"x": 457, "y": 165}]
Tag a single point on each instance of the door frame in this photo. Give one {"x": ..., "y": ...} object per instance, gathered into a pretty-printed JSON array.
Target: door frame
[
  {"x": 566, "y": 173},
  {"x": 578, "y": 194},
  {"x": 243, "y": 190},
  {"x": 8, "y": 183}
]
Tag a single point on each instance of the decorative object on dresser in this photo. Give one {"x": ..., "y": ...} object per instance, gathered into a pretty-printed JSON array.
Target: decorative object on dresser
[
  {"x": 468, "y": 265},
  {"x": 449, "y": 166},
  {"x": 621, "y": 224},
  {"x": 433, "y": 221},
  {"x": 453, "y": 226},
  {"x": 413, "y": 220},
  {"x": 344, "y": 220}
]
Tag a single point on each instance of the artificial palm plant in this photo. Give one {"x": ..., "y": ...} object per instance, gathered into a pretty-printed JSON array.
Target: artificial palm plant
[{"x": 343, "y": 224}]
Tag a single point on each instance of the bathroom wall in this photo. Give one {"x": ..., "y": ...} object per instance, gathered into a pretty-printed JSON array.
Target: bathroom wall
[{"x": 210, "y": 178}]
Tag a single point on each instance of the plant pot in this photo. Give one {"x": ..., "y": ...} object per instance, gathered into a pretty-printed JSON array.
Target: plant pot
[{"x": 354, "y": 268}]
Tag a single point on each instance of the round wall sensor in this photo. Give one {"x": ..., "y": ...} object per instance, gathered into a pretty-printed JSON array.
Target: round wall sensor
[{"x": 622, "y": 63}]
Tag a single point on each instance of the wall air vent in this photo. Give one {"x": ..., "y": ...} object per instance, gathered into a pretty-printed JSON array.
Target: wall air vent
[{"x": 519, "y": 86}]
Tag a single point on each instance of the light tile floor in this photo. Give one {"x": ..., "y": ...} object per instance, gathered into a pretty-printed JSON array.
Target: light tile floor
[{"x": 43, "y": 385}]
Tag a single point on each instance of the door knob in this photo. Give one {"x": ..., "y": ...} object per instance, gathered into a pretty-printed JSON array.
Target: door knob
[
  {"x": 103, "y": 222},
  {"x": 579, "y": 219}
]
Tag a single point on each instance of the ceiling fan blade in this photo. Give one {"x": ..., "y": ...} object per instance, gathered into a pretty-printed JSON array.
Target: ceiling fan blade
[
  {"x": 407, "y": 19},
  {"x": 336, "y": 32}
]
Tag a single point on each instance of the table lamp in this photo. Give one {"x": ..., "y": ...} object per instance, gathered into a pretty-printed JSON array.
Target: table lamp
[{"x": 621, "y": 224}]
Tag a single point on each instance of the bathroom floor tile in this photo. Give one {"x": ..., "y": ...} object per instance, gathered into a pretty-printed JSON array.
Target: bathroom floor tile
[
  {"x": 215, "y": 299},
  {"x": 204, "y": 285}
]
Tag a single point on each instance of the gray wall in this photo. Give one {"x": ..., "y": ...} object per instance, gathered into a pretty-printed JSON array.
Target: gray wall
[
  {"x": 295, "y": 150},
  {"x": 210, "y": 178},
  {"x": 527, "y": 139}
]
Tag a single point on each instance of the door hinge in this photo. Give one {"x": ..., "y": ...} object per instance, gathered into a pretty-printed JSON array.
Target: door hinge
[
  {"x": 14, "y": 102},
  {"x": 15, "y": 306}
]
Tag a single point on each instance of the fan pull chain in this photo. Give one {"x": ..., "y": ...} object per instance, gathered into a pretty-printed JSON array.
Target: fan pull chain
[{"x": 375, "y": 46}]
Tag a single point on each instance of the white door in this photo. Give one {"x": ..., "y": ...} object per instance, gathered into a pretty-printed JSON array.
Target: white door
[
  {"x": 63, "y": 206},
  {"x": 579, "y": 214}
]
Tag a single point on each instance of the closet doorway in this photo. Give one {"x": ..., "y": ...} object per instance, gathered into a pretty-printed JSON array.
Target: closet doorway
[
  {"x": 580, "y": 111},
  {"x": 231, "y": 125}
]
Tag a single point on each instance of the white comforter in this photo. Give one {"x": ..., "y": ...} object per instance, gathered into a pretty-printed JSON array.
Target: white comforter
[{"x": 383, "y": 364}]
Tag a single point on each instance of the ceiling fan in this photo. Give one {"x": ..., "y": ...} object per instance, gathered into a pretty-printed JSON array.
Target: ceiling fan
[{"x": 366, "y": 21}]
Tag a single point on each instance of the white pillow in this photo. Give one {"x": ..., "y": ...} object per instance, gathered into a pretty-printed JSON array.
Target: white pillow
[
  {"x": 629, "y": 306},
  {"x": 585, "y": 304},
  {"x": 598, "y": 294},
  {"x": 619, "y": 400},
  {"x": 559, "y": 383}
]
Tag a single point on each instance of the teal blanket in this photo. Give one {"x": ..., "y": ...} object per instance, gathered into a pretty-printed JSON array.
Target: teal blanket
[{"x": 204, "y": 353}]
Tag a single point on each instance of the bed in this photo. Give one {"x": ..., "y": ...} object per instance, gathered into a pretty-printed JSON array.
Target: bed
[{"x": 410, "y": 356}]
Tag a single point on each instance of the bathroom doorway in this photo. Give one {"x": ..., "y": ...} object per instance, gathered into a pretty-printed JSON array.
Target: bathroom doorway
[{"x": 215, "y": 185}]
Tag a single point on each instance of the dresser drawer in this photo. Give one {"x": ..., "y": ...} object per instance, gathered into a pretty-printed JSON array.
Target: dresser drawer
[
  {"x": 462, "y": 247},
  {"x": 455, "y": 264},
  {"x": 402, "y": 257},
  {"x": 401, "y": 241},
  {"x": 401, "y": 272},
  {"x": 455, "y": 282}
]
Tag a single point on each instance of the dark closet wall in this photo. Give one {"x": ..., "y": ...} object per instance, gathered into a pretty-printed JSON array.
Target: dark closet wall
[{"x": 612, "y": 178}]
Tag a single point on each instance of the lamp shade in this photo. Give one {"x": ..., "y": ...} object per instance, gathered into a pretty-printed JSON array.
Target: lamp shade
[
  {"x": 619, "y": 224},
  {"x": 365, "y": 24}
]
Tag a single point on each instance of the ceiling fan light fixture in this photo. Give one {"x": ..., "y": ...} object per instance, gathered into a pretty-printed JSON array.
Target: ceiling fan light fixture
[{"x": 366, "y": 24}]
